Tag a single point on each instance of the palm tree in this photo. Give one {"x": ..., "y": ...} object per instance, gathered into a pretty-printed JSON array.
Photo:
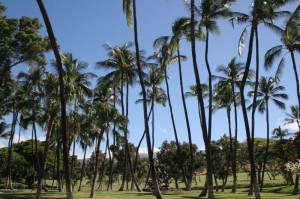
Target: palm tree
[
  {"x": 65, "y": 136},
  {"x": 262, "y": 12},
  {"x": 268, "y": 90},
  {"x": 279, "y": 133},
  {"x": 121, "y": 60},
  {"x": 129, "y": 8},
  {"x": 231, "y": 76},
  {"x": 50, "y": 113},
  {"x": 210, "y": 11},
  {"x": 104, "y": 115}
]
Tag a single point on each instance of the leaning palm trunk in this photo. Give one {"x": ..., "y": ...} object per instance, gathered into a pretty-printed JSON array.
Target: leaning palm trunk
[
  {"x": 191, "y": 166},
  {"x": 92, "y": 194},
  {"x": 244, "y": 110},
  {"x": 208, "y": 182},
  {"x": 49, "y": 135},
  {"x": 65, "y": 136},
  {"x": 174, "y": 128},
  {"x": 295, "y": 191},
  {"x": 10, "y": 150},
  {"x": 140, "y": 73}
]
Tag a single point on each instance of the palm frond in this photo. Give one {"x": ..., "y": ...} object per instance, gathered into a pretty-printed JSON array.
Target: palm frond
[
  {"x": 241, "y": 44},
  {"x": 271, "y": 55}
]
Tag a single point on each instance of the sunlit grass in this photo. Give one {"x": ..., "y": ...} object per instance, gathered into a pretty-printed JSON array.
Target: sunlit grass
[{"x": 274, "y": 189}]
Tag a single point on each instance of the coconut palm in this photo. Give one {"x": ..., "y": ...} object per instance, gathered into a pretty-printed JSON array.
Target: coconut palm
[
  {"x": 105, "y": 115},
  {"x": 49, "y": 118},
  {"x": 268, "y": 91},
  {"x": 65, "y": 136},
  {"x": 279, "y": 133},
  {"x": 210, "y": 11},
  {"x": 231, "y": 76},
  {"x": 129, "y": 9},
  {"x": 122, "y": 61}
]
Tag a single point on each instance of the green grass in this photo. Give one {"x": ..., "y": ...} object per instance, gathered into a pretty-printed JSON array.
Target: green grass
[{"x": 274, "y": 189}]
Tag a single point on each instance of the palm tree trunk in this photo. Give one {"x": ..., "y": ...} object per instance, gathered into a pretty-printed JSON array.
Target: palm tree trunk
[
  {"x": 59, "y": 180},
  {"x": 295, "y": 191},
  {"x": 174, "y": 128},
  {"x": 191, "y": 166},
  {"x": 140, "y": 73},
  {"x": 230, "y": 140},
  {"x": 46, "y": 153},
  {"x": 201, "y": 104},
  {"x": 65, "y": 136},
  {"x": 36, "y": 147},
  {"x": 267, "y": 147},
  {"x": 82, "y": 173},
  {"x": 10, "y": 150},
  {"x": 244, "y": 110},
  {"x": 234, "y": 167},
  {"x": 96, "y": 164}
]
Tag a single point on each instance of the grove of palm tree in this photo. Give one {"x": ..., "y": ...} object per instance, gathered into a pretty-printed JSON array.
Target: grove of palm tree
[{"x": 149, "y": 96}]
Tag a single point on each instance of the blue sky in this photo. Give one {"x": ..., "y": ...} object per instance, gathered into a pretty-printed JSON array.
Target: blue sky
[{"x": 82, "y": 27}]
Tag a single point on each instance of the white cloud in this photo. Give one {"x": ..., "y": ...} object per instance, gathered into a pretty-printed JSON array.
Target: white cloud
[
  {"x": 22, "y": 138},
  {"x": 291, "y": 127},
  {"x": 145, "y": 150}
]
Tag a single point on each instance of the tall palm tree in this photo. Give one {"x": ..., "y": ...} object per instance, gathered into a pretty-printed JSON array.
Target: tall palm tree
[
  {"x": 164, "y": 58},
  {"x": 129, "y": 9},
  {"x": 210, "y": 11},
  {"x": 268, "y": 90},
  {"x": 290, "y": 39},
  {"x": 65, "y": 136},
  {"x": 262, "y": 12},
  {"x": 231, "y": 75},
  {"x": 122, "y": 61}
]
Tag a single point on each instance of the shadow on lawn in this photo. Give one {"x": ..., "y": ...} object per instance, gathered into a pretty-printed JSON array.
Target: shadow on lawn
[{"x": 23, "y": 195}]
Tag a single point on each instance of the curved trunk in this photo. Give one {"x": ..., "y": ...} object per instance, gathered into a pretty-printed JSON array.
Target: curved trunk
[
  {"x": 65, "y": 134},
  {"x": 244, "y": 110},
  {"x": 140, "y": 73},
  {"x": 10, "y": 150},
  {"x": 295, "y": 191},
  {"x": 200, "y": 99},
  {"x": 208, "y": 139},
  {"x": 50, "y": 130},
  {"x": 82, "y": 168},
  {"x": 96, "y": 164},
  {"x": 191, "y": 168}
]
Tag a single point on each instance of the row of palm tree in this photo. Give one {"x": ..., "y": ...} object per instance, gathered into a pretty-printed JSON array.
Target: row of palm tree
[{"x": 86, "y": 114}]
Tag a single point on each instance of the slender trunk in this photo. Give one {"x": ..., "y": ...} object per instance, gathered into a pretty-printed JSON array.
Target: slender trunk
[
  {"x": 230, "y": 140},
  {"x": 10, "y": 150},
  {"x": 244, "y": 110},
  {"x": 96, "y": 164},
  {"x": 73, "y": 158},
  {"x": 201, "y": 105},
  {"x": 208, "y": 137},
  {"x": 140, "y": 73},
  {"x": 59, "y": 180},
  {"x": 267, "y": 147},
  {"x": 191, "y": 166},
  {"x": 65, "y": 135},
  {"x": 138, "y": 147},
  {"x": 234, "y": 167},
  {"x": 295, "y": 190},
  {"x": 36, "y": 146},
  {"x": 125, "y": 151},
  {"x": 152, "y": 108},
  {"x": 50, "y": 130},
  {"x": 174, "y": 127},
  {"x": 102, "y": 171},
  {"x": 82, "y": 173}
]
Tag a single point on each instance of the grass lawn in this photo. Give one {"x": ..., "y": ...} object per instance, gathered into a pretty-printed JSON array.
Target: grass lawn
[{"x": 275, "y": 189}]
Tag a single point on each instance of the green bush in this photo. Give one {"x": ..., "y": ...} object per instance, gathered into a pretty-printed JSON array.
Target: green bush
[{"x": 15, "y": 186}]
